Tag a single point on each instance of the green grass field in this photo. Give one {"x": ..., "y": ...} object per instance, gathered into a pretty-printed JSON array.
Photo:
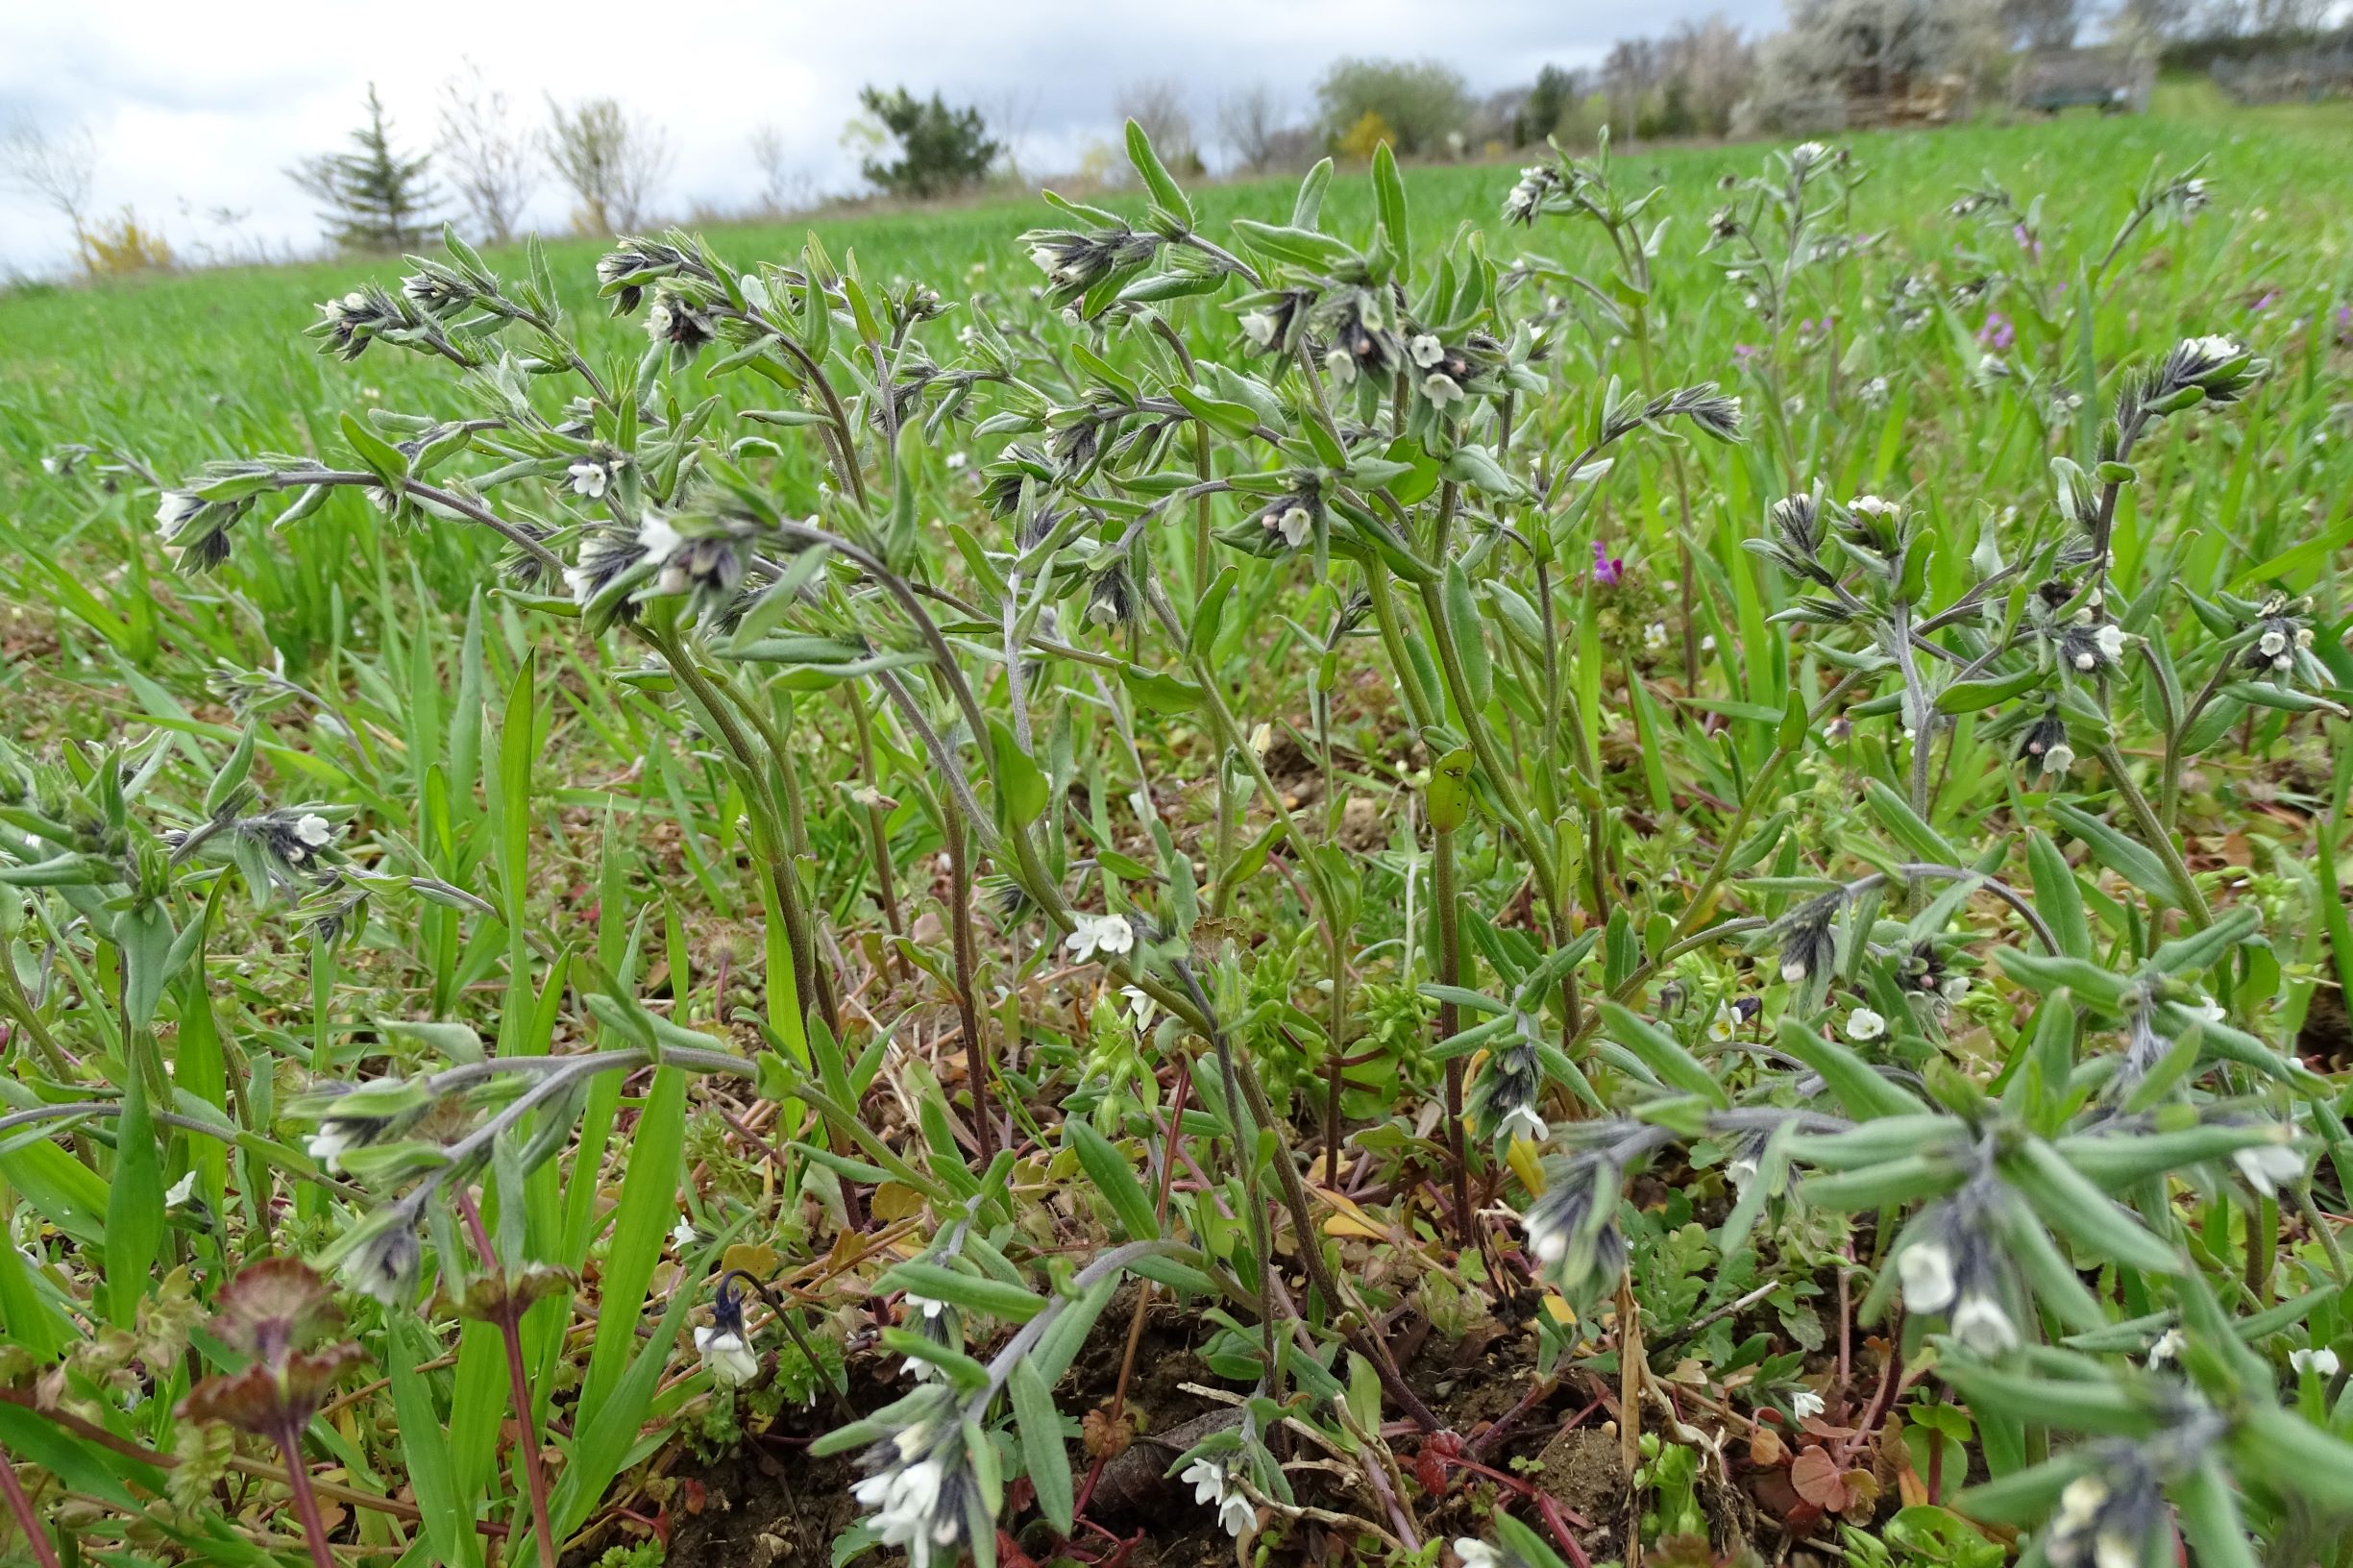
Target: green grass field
[{"x": 1519, "y": 894}]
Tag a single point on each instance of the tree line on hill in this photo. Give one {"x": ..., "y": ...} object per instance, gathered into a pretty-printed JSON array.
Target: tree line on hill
[{"x": 487, "y": 159}]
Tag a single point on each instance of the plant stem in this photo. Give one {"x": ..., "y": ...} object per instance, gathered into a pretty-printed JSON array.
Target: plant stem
[
  {"x": 959, "y": 920},
  {"x": 306, "y": 1501},
  {"x": 519, "y": 1389},
  {"x": 1443, "y": 897},
  {"x": 27, "y": 1520},
  {"x": 2185, "y": 887}
]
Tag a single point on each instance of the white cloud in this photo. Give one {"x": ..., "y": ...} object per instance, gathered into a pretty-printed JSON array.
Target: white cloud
[{"x": 197, "y": 109}]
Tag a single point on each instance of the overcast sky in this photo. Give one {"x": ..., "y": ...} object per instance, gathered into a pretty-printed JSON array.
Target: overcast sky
[{"x": 198, "y": 107}]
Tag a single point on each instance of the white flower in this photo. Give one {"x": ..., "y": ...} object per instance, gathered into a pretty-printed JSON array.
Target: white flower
[
  {"x": 1044, "y": 258},
  {"x": 313, "y": 830},
  {"x": 682, "y": 1233},
  {"x": 1259, "y": 326},
  {"x": 657, "y": 538},
  {"x": 2113, "y": 1549},
  {"x": 1142, "y": 1008},
  {"x": 1441, "y": 389},
  {"x": 49, "y": 465},
  {"x": 1808, "y": 152},
  {"x": 1295, "y": 524},
  {"x": 327, "y": 1143},
  {"x": 1655, "y": 636},
  {"x": 1427, "y": 350},
  {"x": 1342, "y": 368},
  {"x": 2059, "y": 759},
  {"x": 1740, "y": 1170},
  {"x": 2267, "y": 1164},
  {"x": 1477, "y": 1554},
  {"x": 958, "y": 460},
  {"x": 2211, "y": 349},
  {"x": 1980, "y": 1324},
  {"x": 589, "y": 480},
  {"x": 181, "y": 1192},
  {"x": 2111, "y": 640},
  {"x": 2208, "y": 1011},
  {"x": 1263, "y": 738},
  {"x": 1213, "y": 1487},
  {"x": 1524, "y": 1121},
  {"x": 925, "y": 1305},
  {"x": 1865, "y": 1024},
  {"x": 2321, "y": 1363},
  {"x": 905, "y": 1499},
  {"x": 1954, "y": 988},
  {"x": 1725, "y": 1025},
  {"x": 726, "y": 1357},
  {"x": 1805, "y": 1403},
  {"x": 2079, "y": 1506},
  {"x": 1874, "y": 507},
  {"x": 1926, "y": 1270},
  {"x": 1099, "y": 933},
  {"x": 2166, "y": 1350},
  {"x": 175, "y": 509}
]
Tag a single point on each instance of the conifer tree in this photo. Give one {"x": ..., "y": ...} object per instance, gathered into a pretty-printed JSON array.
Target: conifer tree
[{"x": 376, "y": 200}]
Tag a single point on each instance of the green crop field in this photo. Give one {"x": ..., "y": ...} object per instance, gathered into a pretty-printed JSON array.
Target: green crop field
[{"x": 1295, "y": 865}]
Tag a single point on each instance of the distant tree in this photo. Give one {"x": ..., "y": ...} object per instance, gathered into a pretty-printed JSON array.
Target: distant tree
[
  {"x": 1547, "y": 104},
  {"x": 1630, "y": 74},
  {"x": 611, "y": 160},
  {"x": 1158, "y": 105},
  {"x": 1836, "y": 48},
  {"x": 1709, "y": 68},
  {"x": 785, "y": 186},
  {"x": 1250, "y": 124},
  {"x": 2040, "y": 24},
  {"x": 1421, "y": 102},
  {"x": 487, "y": 155},
  {"x": 941, "y": 148},
  {"x": 376, "y": 199},
  {"x": 2152, "y": 21},
  {"x": 55, "y": 167},
  {"x": 1361, "y": 140}
]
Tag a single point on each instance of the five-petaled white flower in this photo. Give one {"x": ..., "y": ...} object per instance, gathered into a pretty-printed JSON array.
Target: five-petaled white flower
[
  {"x": 1865, "y": 1024},
  {"x": 2320, "y": 1362},
  {"x": 1441, "y": 389},
  {"x": 313, "y": 830},
  {"x": 1525, "y": 1122},
  {"x": 726, "y": 1357},
  {"x": 1259, "y": 326},
  {"x": 1926, "y": 1270},
  {"x": 1980, "y": 1324},
  {"x": 2166, "y": 1350},
  {"x": 1725, "y": 1025},
  {"x": 1294, "y": 523},
  {"x": 2267, "y": 1164},
  {"x": 1214, "y": 1486},
  {"x": 327, "y": 1143},
  {"x": 1099, "y": 933},
  {"x": 682, "y": 1233},
  {"x": 1427, "y": 350},
  {"x": 589, "y": 480},
  {"x": 1805, "y": 1403},
  {"x": 2111, "y": 640}
]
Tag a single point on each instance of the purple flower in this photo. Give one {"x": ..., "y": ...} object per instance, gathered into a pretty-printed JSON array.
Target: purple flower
[
  {"x": 2026, "y": 241},
  {"x": 1997, "y": 334},
  {"x": 2268, "y": 298},
  {"x": 1746, "y": 350},
  {"x": 1607, "y": 569}
]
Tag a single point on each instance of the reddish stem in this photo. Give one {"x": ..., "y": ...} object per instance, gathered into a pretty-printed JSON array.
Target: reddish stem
[
  {"x": 306, "y": 1501},
  {"x": 27, "y": 1520},
  {"x": 519, "y": 1389}
]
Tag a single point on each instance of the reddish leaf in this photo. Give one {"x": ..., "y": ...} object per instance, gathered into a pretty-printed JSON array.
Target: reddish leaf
[{"x": 1818, "y": 1480}]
